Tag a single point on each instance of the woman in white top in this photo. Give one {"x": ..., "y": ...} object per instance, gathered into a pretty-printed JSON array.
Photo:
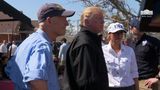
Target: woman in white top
[{"x": 120, "y": 61}]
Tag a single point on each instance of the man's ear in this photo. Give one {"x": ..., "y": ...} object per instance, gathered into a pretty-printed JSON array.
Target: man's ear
[{"x": 49, "y": 19}]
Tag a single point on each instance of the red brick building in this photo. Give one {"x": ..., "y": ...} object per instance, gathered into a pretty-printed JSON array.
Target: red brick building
[{"x": 14, "y": 25}]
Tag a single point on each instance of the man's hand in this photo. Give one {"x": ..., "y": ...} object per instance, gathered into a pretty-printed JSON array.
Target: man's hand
[{"x": 149, "y": 82}]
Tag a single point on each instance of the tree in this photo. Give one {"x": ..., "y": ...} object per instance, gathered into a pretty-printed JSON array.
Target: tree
[
  {"x": 72, "y": 28},
  {"x": 69, "y": 29},
  {"x": 118, "y": 8}
]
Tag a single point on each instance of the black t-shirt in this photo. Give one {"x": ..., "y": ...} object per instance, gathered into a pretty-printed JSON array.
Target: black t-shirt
[{"x": 147, "y": 51}]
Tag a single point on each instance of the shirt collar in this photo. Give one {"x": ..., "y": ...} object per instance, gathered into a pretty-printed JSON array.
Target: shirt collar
[
  {"x": 43, "y": 34},
  {"x": 111, "y": 49}
]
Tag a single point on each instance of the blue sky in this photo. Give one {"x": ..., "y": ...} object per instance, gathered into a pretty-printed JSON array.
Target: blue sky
[{"x": 30, "y": 7}]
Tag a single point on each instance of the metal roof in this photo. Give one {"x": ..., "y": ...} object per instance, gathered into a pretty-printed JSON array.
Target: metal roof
[{"x": 16, "y": 14}]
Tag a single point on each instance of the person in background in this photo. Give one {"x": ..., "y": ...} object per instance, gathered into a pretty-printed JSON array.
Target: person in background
[
  {"x": 147, "y": 50},
  {"x": 56, "y": 46},
  {"x": 62, "y": 51},
  {"x": 120, "y": 60},
  {"x": 32, "y": 67},
  {"x": 12, "y": 48},
  {"x": 3, "y": 56},
  {"x": 3, "y": 48},
  {"x": 85, "y": 65},
  {"x": 9, "y": 44},
  {"x": 62, "y": 59}
]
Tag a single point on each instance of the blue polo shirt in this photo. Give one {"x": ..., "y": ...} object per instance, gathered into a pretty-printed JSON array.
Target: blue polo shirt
[{"x": 33, "y": 61}]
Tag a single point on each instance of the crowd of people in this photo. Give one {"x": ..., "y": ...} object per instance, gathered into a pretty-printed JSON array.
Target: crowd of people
[
  {"x": 84, "y": 64},
  {"x": 6, "y": 51}
]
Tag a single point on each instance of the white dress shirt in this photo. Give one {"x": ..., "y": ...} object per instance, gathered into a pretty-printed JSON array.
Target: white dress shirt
[
  {"x": 3, "y": 48},
  {"x": 122, "y": 66},
  {"x": 14, "y": 47}
]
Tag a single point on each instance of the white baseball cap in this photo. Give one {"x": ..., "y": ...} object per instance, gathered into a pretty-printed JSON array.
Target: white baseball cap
[{"x": 114, "y": 27}]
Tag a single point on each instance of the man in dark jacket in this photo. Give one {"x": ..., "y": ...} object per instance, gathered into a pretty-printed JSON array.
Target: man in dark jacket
[
  {"x": 85, "y": 64},
  {"x": 147, "y": 50}
]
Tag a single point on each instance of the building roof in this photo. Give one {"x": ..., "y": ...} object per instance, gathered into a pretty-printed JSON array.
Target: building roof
[{"x": 17, "y": 16}]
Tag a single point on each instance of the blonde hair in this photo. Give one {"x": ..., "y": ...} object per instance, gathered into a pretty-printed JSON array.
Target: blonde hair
[{"x": 89, "y": 13}]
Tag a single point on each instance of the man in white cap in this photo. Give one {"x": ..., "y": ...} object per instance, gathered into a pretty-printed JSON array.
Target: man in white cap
[{"x": 32, "y": 67}]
